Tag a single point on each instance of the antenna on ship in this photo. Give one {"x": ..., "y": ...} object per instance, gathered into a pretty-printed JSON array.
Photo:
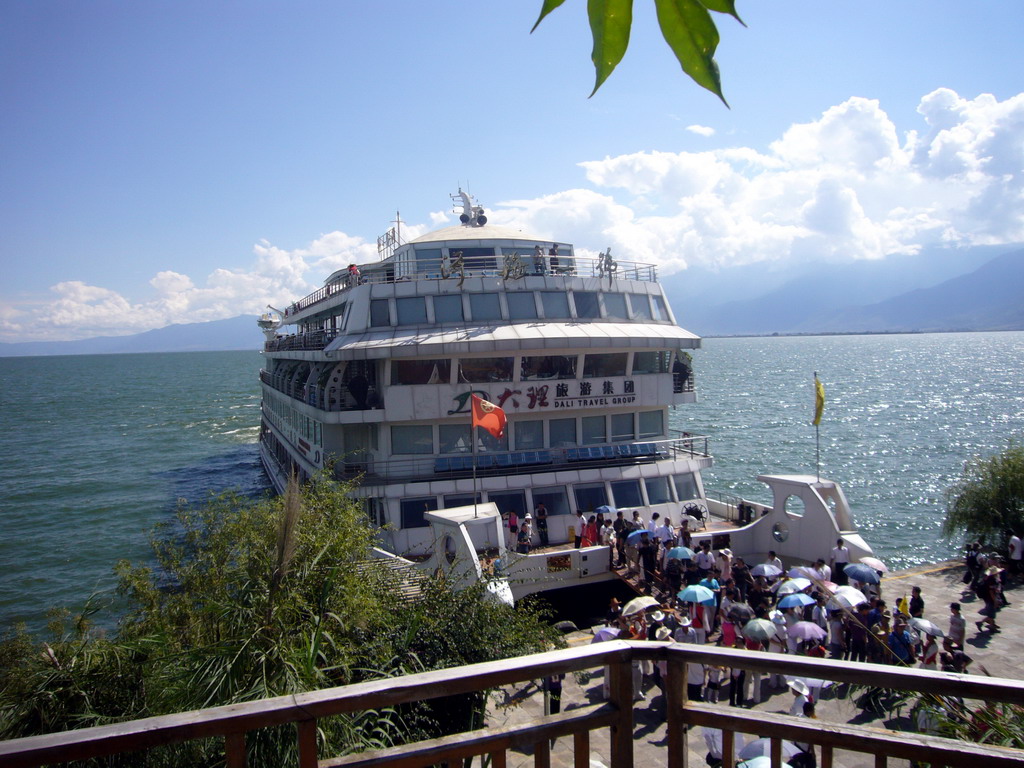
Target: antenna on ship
[
  {"x": 472, "y": 215},
  {"x": 391, "y": 239}
]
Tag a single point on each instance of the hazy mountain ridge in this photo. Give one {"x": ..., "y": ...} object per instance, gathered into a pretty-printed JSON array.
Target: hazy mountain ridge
[
  {"x": 239, "y": 332},
  {"x": 941, "y": 290}
]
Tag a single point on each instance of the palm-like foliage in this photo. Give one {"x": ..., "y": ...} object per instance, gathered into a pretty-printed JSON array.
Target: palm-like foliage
[
  {"x": 251, "y": 600},
  {"x": 988, "y": 499}
]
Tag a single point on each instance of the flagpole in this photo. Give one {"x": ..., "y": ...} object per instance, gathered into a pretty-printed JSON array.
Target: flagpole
[
  {"x": 472, "y": 436},
  {"x": 817, "y": 436}
]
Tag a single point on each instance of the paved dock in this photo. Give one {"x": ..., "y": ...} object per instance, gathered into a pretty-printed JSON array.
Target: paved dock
[{"x": 1001, "y": 654}]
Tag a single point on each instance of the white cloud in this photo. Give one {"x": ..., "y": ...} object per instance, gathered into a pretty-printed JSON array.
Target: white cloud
[
  {"x": 845, "y": 186},
  {"x": 701, "y": 130}
]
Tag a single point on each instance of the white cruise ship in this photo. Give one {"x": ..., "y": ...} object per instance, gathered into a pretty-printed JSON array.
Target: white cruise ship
[{"x": 582, "y": 354}]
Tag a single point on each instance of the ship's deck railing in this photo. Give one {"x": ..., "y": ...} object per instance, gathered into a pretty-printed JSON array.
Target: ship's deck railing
[
  {"x": 490, "y": 463},
  {"x": 301, "y": 342},
  {"x": 232, "y": 723},
  {"x": 487, "y": 266}
]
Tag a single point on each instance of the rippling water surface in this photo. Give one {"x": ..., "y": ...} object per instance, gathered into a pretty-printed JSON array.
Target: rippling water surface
[
  {"x": 903, "y": 414},
  {"x": 96, "y": 449}
]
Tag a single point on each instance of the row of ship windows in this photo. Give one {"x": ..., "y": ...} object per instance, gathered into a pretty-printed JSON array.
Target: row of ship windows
[
  {"x": 473, "y": 370},
  {"x": 517, "y": 305},
  {"x": 529, "y": 435},
  {"x": 287, "y": 418},
  {"x": 586, "y": 497}
]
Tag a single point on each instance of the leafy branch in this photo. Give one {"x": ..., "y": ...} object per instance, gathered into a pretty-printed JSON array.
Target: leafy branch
[{"x": 686, "y": 25}]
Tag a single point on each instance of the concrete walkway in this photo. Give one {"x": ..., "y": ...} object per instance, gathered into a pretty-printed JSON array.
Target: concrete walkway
[{"x": 1001, "y": 654}]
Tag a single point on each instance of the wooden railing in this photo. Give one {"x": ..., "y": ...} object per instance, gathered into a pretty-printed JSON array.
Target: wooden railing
[{"x": 304, "y": 710}]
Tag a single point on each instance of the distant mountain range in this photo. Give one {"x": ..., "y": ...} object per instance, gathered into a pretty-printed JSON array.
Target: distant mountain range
[
  {"x": 973, "y": 289},
  {"x": 234, "y": 333}
]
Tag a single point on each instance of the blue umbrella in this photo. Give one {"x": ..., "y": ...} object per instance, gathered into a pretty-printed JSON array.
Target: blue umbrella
[
  {"x": 695, "y": 593},
  {"x": 605, "y": 510},
  {"x": 634, "y": 537},
  {"x": 680, "y": 553},
  {"x": 796, "y": 599},
  {"x": 862, "y": 573}
]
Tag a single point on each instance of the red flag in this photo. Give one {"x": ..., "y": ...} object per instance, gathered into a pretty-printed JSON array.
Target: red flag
[{"x": 489, "y": 416}]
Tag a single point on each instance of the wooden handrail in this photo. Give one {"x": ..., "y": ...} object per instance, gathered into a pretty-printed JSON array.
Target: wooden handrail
[{"x": 231, "y": 722}]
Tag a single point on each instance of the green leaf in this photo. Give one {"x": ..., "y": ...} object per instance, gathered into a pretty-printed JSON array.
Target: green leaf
[
  {"x": 610, "y": 22},
  {"x": 548, "y": 7},
  {"x": 691, "y": 34},
  {"x": 723, "y": 6}
]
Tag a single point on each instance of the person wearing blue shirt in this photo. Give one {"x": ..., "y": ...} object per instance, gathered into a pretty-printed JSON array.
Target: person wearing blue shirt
[{"x": 900, "y": 643}]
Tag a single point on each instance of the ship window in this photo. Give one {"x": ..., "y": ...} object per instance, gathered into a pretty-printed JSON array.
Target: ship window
[
  {"x": 448, "y": 309},
  {"x": 521, "y": 306},
  {"x": 478, "y": 370},
  {"x": 461, "y": 500},
  {"x": 414, "y": 438},
  {"x": 627, "y": 493},
  {"x": 485, "y": 306},
  {"x": 651, "y": 362},
  {"x": 622, "y": 427},
  {"x": 529, "y": 435},
  {"x": 454, "y": 438},
  {"x": 487, "y": 442},
  {"x": 660, "y": 310},
  {"x": 477, "y": 260},
  {"x": 412, "y": 310},
  {"x": 587, "y": 306},
  {"x": 554, "y": 498},
  {"x": 593, "y": 430},
  {"x": 562, "y": 432},
  {"x": 686, "y": 487},
  {"x": 420, "y": 371},
  {"x": 414, "y": 509},
  {"x": 640, "y": 305},
  {"x": 651, "y": 424},
  {"x": 379, "y": 315},
  {"x": 608, "y": 364},
  {"x": 428, "y": 261},
  {"x": 590, "y": 496},
  {"x": 509, "y": 501},
  {"x": 657, "y": 490},
  {"x": 556, "y": 305},
  {"x": 615, "y": 306},
  {"x": 550, "y": 367}
]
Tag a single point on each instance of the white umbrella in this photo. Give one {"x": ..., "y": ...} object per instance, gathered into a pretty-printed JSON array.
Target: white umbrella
[
  {"x": 790, "y": 586},
  {"x": 690, "y": 522},
  {"x": 874, "y": 562},
  {"x": 847, "y": 597},
  {"x": 713, "y": 740},
  {"x": 763, "y": 747},
  {"x": 638, "y": 604},
  {"x": 766, "y": 569},
  {"x": 928, "y": 627}
]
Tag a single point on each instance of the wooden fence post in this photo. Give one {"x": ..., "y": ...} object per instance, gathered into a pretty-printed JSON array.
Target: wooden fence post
[{"x": 622, "y": 698}]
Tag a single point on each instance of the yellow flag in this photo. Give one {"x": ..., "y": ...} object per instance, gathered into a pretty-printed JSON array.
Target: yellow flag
[{"x": 819, "y": 400}]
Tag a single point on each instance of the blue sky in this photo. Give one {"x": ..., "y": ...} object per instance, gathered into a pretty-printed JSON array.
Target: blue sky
[{"x": 175, "y": 162}]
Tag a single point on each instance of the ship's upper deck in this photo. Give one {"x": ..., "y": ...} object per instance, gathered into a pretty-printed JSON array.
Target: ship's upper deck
[{"x": 462, "y": 252}]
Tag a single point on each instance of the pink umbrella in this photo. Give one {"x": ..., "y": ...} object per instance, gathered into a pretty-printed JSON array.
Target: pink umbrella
[
  {"x": 874, "y": 562},
  {"x": 807, "y": 630}
]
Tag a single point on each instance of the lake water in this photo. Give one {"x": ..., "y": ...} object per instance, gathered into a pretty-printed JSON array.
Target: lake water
[{"x": 96, "y": 449}]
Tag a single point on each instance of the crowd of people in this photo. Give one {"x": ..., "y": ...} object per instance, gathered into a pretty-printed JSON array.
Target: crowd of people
[{"x": 816, "y": 610}]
